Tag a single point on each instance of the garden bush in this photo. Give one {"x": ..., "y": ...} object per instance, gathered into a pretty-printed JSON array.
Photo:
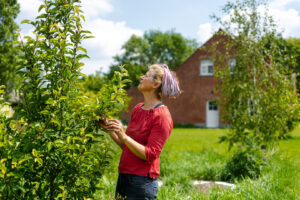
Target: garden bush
[
  {"x": 52, "y": 147},
  {"x": 245, "y": 163}
]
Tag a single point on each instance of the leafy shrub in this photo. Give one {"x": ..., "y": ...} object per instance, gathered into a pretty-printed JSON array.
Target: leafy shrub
[
  {"x": 184, "y": 126},
  {"x": 52, "y": 147},
  {"x": 245, "y": 163}
]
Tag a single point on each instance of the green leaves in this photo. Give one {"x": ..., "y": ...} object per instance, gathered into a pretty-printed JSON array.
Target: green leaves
[
  {"x": 53, "y": 138},
  {"x": 82, "y": 49},
  {"x": 3, "y": 167},
  {"x": 10, "y": 50},
  {"x": 80, "y": 56},
  {"x": 26, "y": 21},
  {"x": 259, "y": 101},
  {"x": 52, "y": 147},
  {"x": 37, "y": 156},
  {"x": 41, "y": 7}
]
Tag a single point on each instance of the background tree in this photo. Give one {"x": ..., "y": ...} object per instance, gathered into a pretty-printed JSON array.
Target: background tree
[
  {"x": 93, "y": 82},
  {"x": 154, "y": 47},
  {"x": 8, "y": 51},
  {"x": 51, "y": 148},
  {"x": 257, "y": 91},
  {"x": 294, "y": 50}
]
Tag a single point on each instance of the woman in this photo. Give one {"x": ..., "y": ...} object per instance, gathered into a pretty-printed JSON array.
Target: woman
[{"x": 149, "y": 127}]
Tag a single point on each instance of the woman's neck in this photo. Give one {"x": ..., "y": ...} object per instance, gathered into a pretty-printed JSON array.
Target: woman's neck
[{"x": 150, "y": 101}]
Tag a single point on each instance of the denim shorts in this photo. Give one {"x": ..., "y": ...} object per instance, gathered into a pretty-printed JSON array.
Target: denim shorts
[{"x": 134, "y": 187}]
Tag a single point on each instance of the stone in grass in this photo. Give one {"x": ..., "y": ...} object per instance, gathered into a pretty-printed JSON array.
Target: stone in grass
[
  {"x": 160, "y": 183},
  {"x": 205, "y": 186}
]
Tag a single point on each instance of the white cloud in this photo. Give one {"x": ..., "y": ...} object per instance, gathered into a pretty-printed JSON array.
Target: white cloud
[
  {"x": 205, "y": 31},
  {"x": 278, "y": 4},
  {"x": 95, "y": 8},
  {"x": 287, "y": 18},
  {"x": 29, "y": 8},
  {"x": 91, "y": 8},
  {"x": 109, "y": 38},
  {"x": 93, "y": 65},
  {"x": 109, "y": 35}
]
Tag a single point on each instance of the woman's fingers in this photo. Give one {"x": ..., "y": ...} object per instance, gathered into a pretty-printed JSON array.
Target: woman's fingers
[
  {"x": 111, "y": 123},
  {"x": 113, "y": 126},
  {"x": 116, "y": 129},
  {"x": 108, "y": 128},
  {"x": 114, "y": 121}
]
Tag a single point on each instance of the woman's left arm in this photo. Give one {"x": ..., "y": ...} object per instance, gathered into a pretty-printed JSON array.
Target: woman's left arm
[{"x": 135, "y": 147}]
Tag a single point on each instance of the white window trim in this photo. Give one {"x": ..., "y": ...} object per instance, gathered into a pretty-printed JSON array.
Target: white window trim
[
  {"x": 231, "y": 64},
  {"x": 204, "y": 64}
]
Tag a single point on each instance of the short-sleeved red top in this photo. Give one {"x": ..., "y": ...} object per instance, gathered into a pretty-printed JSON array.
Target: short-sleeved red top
[{"x": 150, "y": 128}]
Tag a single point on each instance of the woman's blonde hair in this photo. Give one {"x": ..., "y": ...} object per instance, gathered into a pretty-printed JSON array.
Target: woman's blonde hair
[{"x": 157, "y": 78}]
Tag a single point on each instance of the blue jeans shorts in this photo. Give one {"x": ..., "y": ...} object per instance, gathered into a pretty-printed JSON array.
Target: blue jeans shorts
[{"x": 134, "y": 187}]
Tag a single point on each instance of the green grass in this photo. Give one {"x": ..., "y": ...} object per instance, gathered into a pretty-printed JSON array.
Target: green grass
[
  {"x": 291, "y": 147},
  {"x": 195, "y": 140},
  {"x": 192, "y": 153}
]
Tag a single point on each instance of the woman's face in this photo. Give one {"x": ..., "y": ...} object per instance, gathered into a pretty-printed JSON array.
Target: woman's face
[{"x": 146, "y": 82}]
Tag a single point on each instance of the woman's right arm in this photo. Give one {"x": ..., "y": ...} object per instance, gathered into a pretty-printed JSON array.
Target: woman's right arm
[{"x": 116, "y": 139}]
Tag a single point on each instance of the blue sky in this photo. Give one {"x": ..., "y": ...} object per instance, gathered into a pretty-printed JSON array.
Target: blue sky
[
  {"x": 112, "y": 22},
  {"x": 183, "y": 16}
]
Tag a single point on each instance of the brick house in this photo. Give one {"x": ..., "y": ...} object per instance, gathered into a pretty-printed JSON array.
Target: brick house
[{"x": 196, "y": 105}]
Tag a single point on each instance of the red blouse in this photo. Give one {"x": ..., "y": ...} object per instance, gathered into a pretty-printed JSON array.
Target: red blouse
[{"x": 150, "y": 128}]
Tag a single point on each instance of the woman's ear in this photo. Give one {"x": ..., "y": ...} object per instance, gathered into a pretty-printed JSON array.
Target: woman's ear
[{"x": 156, "y": 85}]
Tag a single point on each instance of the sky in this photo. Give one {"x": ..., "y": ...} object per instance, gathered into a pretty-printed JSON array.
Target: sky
[{"x": 113, "y": 22}]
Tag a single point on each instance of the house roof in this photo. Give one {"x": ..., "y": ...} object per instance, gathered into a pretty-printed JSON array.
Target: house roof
[{"x": 216, "y": 36}]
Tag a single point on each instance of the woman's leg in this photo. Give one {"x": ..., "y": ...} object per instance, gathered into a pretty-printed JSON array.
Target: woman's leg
[
  {"x": 151, "y": 188},
  {"x": 120, "y": 188},
  {"x": 134, "y": 187},
  {"x": 141, "y": 188}
]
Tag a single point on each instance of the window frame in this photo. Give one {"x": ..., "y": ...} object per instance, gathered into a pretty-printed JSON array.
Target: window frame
[
  {"x": 204, "y": 67},
  {"x": 231, "y": 63},
  {"x": 213, "y": 105}
]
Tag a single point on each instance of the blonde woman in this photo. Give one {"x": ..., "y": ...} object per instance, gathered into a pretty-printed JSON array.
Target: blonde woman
[{"x": 149, "y": 127}]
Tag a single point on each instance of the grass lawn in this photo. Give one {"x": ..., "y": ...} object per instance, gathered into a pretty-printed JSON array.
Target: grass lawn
[
  {"x": 194, "y": 154},
  {"x": 291, "y": 148}
]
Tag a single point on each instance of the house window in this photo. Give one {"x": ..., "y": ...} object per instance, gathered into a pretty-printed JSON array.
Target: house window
[
  {"x": 231, "y": 63},
  {"x": 206, "y": 68},
  {"x": 250, "y": 107},
  {"x": 212, "y": 105}
]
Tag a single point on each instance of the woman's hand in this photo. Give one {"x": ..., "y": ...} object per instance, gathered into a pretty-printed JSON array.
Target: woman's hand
[
  {"x": 117, "y": 127},
  {"x": 135, "y": 147},
  {"x": 102, "y": 122},
  {"x": 105, "y": 124}
]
